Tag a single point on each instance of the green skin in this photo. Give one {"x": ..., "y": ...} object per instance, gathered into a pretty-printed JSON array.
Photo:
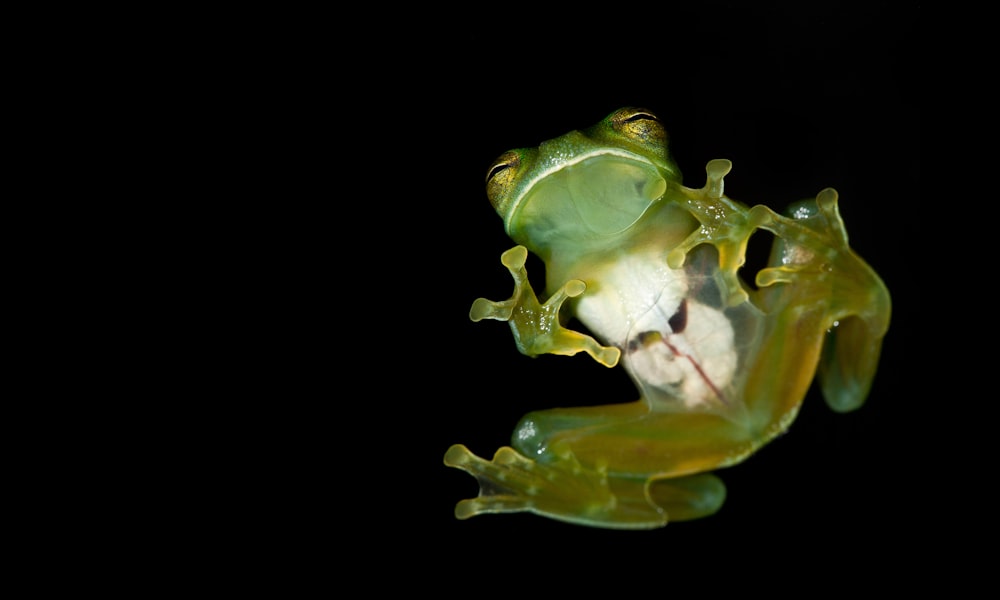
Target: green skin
[{"x": 649, "y": 266}]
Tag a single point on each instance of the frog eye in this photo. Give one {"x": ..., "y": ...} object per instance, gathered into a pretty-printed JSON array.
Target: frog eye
[
  {"x": 501, "y": 175},
  {"x": 630, "y": 114},
  {"x": 639, "y": 124},
  {"x": 504, "y": 162}
]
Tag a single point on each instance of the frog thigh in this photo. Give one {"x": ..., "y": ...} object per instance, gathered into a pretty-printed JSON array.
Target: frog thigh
[{"x": 631, "y": 441}]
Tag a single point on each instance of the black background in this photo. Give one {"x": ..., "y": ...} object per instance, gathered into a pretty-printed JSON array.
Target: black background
[{"x": 798, "y": 97}]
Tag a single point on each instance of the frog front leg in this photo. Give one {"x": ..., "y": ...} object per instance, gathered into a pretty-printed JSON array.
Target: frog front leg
[
  {"x": 723, "y": 223},
  {"x": 536, "y": 326}
]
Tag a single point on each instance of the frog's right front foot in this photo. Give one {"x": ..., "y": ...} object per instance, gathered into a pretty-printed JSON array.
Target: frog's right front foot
[{"x": 536, "y": 326}]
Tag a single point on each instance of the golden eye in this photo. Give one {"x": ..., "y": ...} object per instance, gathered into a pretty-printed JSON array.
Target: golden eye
[
  {"x": 500, "y": 176},
  {"x": 640, "y": 125},
  {"x": 636, "y": 114}
]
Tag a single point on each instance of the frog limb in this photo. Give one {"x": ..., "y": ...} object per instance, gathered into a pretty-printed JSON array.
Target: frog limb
[
  {"x": 535, "y": 325},
  {"x": 512, "y": 483},
  {"x": 812, "y": 254},
  {"x": 724, "y": 224},
  {"x": 565, "y": 490},
  {"x": 687, "y": 498},
  {"x": 644, "y": 439}
]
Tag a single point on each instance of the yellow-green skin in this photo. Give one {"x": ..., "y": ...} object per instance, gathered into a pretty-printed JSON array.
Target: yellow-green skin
[{"x": 650, "y": 267}]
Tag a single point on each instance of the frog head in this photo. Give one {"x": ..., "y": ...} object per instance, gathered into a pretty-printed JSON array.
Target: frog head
[{"x": 586, "y": 185}]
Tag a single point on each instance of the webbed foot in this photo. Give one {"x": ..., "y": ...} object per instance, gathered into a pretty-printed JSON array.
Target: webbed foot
[
  {"x": 536, "y": 326},
  {"x": 513, "y": 483},
  {"x": 564, "y": 490},
  {"x": 807, "y": 244},
  {"x": 724, "y": 224}
]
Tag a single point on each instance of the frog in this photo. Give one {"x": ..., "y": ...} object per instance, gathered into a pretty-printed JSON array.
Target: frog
[{"x": 644, "y": 272}]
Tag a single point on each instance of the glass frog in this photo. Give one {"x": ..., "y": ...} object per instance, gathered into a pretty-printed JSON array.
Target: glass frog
[{"x": 651, "y": 269}]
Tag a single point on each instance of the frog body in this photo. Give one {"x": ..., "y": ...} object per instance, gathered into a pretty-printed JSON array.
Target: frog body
[{"x": 650, "y": 268}]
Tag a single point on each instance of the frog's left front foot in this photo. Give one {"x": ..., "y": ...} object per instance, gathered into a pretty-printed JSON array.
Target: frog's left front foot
[
  {"x": 724, "y": 224},
  {"x": 535, "y": 325}
]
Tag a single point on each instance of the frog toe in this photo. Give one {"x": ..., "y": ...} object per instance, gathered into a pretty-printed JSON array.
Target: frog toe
[
  {"x": 514, "y": 258},
  {"x": 716, "y": 171},
  {"x": 471, "y": 507},
  {"x": 488, "y": 309},
  {"x": 508, "y": 483}
]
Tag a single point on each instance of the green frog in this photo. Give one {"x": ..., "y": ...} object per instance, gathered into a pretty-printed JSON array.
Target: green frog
[{"x": 652, "y": 271}]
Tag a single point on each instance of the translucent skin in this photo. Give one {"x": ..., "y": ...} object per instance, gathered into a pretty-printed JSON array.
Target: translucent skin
[{"x": 650, "y": 267}]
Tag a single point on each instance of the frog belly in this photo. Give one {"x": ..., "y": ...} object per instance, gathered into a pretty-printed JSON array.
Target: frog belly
[
  {"x": 631, "y": 295},
  {"x": 674, "y": 347}
]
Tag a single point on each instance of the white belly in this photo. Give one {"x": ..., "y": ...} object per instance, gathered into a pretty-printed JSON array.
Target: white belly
[{"x": 675, "y": 347}]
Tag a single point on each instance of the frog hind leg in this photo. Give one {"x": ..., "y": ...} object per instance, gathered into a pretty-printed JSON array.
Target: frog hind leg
[
  {"x": 848, "y": 363},
  {"x": 511, "y": 482},
  {"x": 852, "y": 344},
  {"x": 561, "y": 489},
  {"x": 687, "y": 498},
  {"x": 860, "y": 305}
]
